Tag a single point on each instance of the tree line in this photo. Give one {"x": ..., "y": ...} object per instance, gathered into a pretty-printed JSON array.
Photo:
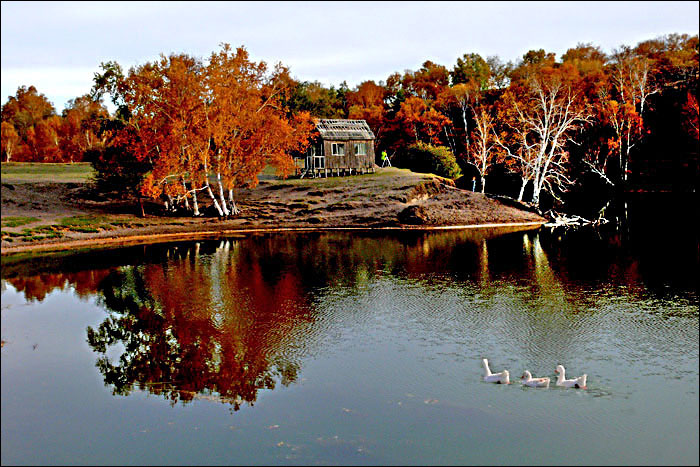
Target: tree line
[{"x": 184, "y": 126}]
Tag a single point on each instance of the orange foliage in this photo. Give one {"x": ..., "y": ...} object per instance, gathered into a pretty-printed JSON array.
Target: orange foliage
[
  {"x": 422, "y": 119},
  {"x": 226, "y": 120}
]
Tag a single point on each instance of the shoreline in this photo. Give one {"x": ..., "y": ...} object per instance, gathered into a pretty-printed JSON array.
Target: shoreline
[
  {"x": 45, "y": 215},
  {"x": 183, "y": 235}
]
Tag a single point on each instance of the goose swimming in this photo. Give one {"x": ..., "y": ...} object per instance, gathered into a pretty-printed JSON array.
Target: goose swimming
[
  {"x": 528, "y": 380},
  {"x": 499, "y": 378},
  {"x": 579, "y": 382}
]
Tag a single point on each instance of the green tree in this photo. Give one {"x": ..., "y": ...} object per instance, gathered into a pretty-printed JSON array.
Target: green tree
[{"x": 472, "y": 68}]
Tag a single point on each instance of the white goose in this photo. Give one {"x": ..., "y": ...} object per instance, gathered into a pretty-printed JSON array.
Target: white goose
[
  {"x": 579, "y": 382},
  {"x": 500, "y": 378},
  {"x": 528, "y": 380}
]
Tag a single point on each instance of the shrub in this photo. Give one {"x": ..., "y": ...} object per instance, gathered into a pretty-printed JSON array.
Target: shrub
[
  {"x": 426, "y": 158},
  {"x": 116, "y": 169}
]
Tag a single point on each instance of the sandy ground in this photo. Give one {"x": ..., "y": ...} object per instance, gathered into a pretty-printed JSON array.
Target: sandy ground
[{"x": 390, "y": 198}]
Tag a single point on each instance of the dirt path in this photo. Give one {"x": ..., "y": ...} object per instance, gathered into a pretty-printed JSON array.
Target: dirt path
[{"x": 391, "y": 198}]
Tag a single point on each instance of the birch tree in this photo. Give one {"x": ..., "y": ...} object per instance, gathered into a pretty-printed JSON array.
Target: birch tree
[
  {"x": 542, "y": 122},
  {"x": 623, "y": 109},
  {"x": 249, "y": 124},
  {"x": 210, "y": 128},
  {"x": 164, "y": 99},
  {"x": 10, "y": 140},
  {"x": 485, "y": 141}
]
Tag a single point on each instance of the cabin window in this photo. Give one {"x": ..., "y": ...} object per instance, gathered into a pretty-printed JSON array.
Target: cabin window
[
  {"x": 360, "y": 149},
  {"x": 338, "y": 149}
]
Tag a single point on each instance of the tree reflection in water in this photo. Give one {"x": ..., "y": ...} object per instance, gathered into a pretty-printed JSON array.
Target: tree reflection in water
[
  {"x": 198, "y": 326},
  {"x": 223, "y": 320}
]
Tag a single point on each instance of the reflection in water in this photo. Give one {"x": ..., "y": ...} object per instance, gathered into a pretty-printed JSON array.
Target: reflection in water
[
  {"x": 388, "y": 332},
  {"x": 37, "y": 287},
  {"x": 225, "y": 319},
  {"x": 202, "y": 323}
]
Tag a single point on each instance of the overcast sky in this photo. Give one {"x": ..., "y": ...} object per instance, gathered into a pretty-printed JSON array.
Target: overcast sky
[{"x": 57, "y": 46}]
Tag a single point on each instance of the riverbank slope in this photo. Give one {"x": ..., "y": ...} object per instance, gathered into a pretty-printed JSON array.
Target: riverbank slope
[{"x": 48, "y": 213}]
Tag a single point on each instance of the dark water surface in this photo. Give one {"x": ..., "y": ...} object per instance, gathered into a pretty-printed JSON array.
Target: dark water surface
[{"x": 355, "y": 349}]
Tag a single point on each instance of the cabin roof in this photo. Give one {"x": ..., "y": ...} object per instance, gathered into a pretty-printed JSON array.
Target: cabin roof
[{"x": 335, "y": 128}]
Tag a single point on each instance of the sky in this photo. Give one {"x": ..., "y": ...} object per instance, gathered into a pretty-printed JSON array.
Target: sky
[{"x": 58, "y": 46}]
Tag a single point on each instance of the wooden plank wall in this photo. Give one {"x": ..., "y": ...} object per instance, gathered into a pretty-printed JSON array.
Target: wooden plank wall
[{"x": 349, "y": 160}]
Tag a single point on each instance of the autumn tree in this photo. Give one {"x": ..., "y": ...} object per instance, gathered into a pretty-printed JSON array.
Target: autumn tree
[
  {"x": 27, "y": 108},
  {"x": 587, "y": 58},
  {"x": 424, "y": 121},
  {"x": 42, "y": 142},
  {"x": 427, "y": 82},
  {"x": 485, "y": 153},
  {"x": 248, "y": 122},
  {"x": 622, "y": 105},
  {"x": 210, "y": 127},
  {"x": 166, "y": 102},
  {"x": 466, "y": 96},
  {"x": 25, "y": 111},
  {"x": 367, "y": 102},
  {"x": 541, "y": 121},
  {"x": 10, "y": 140},
  {"x": 80, "y": 127},
  {"x": 117, "y": 168}
]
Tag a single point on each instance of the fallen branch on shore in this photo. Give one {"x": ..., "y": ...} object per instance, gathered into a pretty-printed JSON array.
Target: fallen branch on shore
[{"x": 565, "y": 220}]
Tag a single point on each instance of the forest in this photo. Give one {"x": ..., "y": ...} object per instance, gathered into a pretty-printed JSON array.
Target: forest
[{"x": 542, "y": 130}]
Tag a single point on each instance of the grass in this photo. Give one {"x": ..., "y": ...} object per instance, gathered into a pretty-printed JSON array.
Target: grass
[
  {"x": 85, "y": 224},
  {"x": 82, "y": 221},
  {"x": 16, "y": 221},
  {"x": 35, "y": 233},
  {"x": 90, "y": 223},
  {"x": 28, "y": 172}
]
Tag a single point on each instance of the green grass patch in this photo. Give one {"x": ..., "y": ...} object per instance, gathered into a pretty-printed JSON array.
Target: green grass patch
[
  {"x": 81, "y": 221},
  {"x": 36, "y": 233},
  {"x": 80, "y": 172},
  {"x": 16, "y": 221},
  {"x": 41, "y": 232}
]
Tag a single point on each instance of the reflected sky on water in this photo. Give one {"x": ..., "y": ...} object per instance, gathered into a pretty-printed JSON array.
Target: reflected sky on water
[{"x": 353, "y": 349}]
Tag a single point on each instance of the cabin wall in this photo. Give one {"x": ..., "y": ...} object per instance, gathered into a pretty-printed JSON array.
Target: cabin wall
[{"x": 349, "y": 160}]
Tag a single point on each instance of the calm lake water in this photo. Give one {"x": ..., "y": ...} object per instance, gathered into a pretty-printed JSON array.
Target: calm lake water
[{"x": 355, "y": 348}]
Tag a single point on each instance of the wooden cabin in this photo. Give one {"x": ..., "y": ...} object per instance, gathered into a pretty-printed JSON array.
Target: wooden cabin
[{"x": 341, "y": 147}]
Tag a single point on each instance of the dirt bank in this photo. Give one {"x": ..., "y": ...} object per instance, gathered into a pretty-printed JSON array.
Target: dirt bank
[{"x": 63, "y": 215}]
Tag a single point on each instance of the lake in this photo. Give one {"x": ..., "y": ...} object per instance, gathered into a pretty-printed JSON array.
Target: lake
[{"x": 355, "y": 348}]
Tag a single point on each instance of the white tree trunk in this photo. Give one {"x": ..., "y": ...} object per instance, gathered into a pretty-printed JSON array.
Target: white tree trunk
[
  {"x": 224, "y": 207},
  {"x": 466, "y": 127},
  {"x": 216, "y": 203},
  {"x": 195, "y": 205},
  {"x": 522, "y": 189},
  {"x": 483, "y": 184}
]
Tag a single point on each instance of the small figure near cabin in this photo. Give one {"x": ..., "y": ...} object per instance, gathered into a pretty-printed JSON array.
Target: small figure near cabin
[{"x": 386, "y": 162}]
